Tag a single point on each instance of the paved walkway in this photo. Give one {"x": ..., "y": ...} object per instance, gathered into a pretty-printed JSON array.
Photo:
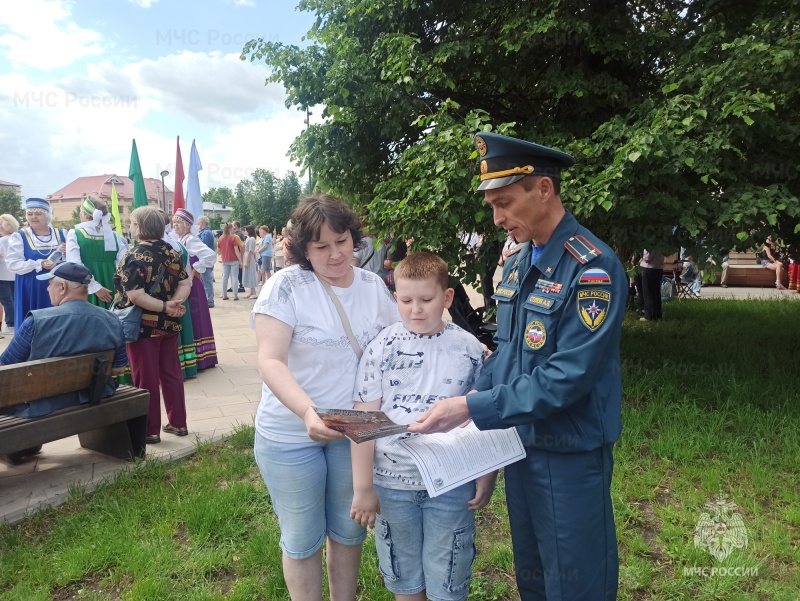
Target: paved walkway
[{"x": 218, "y": 400}]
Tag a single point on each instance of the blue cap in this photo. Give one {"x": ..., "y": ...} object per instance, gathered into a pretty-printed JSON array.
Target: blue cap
[
  {"x": 72, "y": 272},
  {"x": 507, "y": 160},
  {"x": 37, "y": 203}
]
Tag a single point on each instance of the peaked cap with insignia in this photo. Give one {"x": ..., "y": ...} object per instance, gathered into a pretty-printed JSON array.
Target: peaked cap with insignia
[{"x": 507, "y": 160}]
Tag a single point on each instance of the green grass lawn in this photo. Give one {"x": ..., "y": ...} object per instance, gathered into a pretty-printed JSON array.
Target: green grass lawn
[{"x": 711, "y": 406}]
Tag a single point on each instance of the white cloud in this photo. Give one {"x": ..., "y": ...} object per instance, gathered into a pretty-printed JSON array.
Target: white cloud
[
  {"x": 143, "y": 3},
  {"x": 241, "y": 2},
  {"x": 236, "y": 152},
  {"x": 39, "y": 34},
  {"x": 80, "y": 125},
  {"x": 51, "y": 136},
  {"x": 211, "y": 88}
]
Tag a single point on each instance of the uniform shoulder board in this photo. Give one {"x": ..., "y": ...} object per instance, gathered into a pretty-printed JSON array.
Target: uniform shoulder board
[{"x": 583, "y": 250}]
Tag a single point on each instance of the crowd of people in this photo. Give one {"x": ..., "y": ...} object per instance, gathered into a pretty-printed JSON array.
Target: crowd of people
[
  {"x": 246, "y": 254},
  {"x": 162, "y": 271}
]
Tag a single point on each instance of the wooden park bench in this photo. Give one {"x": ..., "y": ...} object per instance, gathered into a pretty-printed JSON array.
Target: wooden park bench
[
  {"x": 114, "y": 425},
  {"x": 744, "y": 271}
]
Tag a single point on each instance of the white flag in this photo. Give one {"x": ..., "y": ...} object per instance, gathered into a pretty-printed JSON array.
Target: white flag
[{"x": 194, "y": 200}]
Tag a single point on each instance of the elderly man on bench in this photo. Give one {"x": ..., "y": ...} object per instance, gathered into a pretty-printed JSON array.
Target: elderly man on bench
[{"x": 72, "y": 326}]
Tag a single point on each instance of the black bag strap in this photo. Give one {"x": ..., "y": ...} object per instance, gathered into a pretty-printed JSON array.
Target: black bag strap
[{"x": 367, "y": 260}]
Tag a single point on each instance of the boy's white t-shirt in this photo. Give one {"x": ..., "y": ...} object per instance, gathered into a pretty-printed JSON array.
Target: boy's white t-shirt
[
  {"x": 321, "y": 358},
  {"x": 409, "y": 373}
]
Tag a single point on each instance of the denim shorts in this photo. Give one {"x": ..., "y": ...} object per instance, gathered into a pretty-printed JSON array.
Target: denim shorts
[
  {"x": 311, "y": 488},
  {"x": 426, "y": 543}
]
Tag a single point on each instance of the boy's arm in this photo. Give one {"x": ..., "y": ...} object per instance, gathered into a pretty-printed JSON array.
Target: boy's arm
[
  {"x": 484, "y": 488},
  {"x": 365, "y": 501}
]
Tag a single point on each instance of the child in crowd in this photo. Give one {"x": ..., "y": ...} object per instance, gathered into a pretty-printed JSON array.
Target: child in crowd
[{"x": 425, "y": 545}]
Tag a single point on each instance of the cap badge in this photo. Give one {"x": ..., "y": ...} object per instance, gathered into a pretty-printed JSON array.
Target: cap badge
[{"x": 480, "y": 145}]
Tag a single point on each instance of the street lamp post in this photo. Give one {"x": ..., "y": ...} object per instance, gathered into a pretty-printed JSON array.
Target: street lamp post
[
  {"x": 307, "y": 121},
  {"x": 164, "y": 174}
]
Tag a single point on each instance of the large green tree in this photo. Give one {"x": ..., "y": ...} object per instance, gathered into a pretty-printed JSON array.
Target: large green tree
[
  {"x": 11, "y": 204},
  {"x": 290, "y": 191},
  {"x": 683, "y": 114},
  {"x": 221, "y": 196},
  {"x": 266, "y": 199}
]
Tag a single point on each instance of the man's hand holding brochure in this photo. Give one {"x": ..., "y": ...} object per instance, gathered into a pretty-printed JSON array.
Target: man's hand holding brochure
[{"x": 445, "y": 460}]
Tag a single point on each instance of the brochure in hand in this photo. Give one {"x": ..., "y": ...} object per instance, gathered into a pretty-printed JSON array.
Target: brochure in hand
[{"x": 359, "y": 426}]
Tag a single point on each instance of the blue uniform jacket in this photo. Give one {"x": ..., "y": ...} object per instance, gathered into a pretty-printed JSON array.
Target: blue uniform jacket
[{"x": 556, "y": 372}]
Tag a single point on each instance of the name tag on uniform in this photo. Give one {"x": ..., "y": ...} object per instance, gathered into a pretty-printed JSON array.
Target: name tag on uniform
[
  {"x": 541, "y": 301},
  {"x": 507, "y": 292}
]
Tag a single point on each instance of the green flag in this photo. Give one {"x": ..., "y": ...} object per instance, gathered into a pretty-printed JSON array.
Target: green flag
[{"x": 135, "y": 173}]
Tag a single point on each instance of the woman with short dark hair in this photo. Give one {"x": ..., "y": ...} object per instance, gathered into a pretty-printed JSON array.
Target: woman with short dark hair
[
  {"x": 307, "y": 359},
  {"x": 152, "y": 276}
]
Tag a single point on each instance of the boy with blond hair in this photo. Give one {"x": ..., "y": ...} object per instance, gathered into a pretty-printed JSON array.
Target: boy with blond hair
[{"x": 425, "y": 544}]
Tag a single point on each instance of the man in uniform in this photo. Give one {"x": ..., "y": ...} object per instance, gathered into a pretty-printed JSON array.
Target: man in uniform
[{"x": 555, "y": 376}]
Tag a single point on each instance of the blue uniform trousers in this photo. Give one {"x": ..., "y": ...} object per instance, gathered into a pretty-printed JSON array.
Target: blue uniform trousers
[{"x": 559, "y": 507}]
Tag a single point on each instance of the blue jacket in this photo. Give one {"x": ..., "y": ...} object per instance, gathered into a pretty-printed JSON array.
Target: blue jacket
[
  {"x": 72, "y": 328},
  {"x": 556, "y": 372},
  {"x": 207, "y": 236}
]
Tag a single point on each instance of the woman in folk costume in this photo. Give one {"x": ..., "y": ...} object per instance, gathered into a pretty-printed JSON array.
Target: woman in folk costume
[
  {"x": 201, "y": 258},
  {"x": 187, "y": 353},
  {"x": 94, "y": 245},
  {"x": 29, "y": 250}
]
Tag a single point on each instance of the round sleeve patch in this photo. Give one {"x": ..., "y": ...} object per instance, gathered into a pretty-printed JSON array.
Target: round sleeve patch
[{"x": 535, "y": 335}]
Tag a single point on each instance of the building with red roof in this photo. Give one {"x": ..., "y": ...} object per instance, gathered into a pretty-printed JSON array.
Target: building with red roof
[{"x": 98, "y": 187}]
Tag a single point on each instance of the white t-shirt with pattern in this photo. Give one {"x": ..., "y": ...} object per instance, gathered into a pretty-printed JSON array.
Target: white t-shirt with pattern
[
  {"x": 409, "y": 373},
  {"x": 320, "y": 356}
]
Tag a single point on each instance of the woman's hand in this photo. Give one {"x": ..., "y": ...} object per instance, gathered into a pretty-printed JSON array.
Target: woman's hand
[
  {"x": 316, "y": 428},
  {"x": 175, "y": 308},
  {"x": 104, "y": 294},
  {"x": 47, "y": 265},
  {"x": 365, "y": 507}
]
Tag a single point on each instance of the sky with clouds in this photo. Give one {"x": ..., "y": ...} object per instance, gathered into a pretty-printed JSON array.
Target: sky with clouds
[{"x": 79, "y": 79}]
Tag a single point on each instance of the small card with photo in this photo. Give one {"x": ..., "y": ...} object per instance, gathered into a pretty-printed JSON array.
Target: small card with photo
[{"x": 359, "y": 426}]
